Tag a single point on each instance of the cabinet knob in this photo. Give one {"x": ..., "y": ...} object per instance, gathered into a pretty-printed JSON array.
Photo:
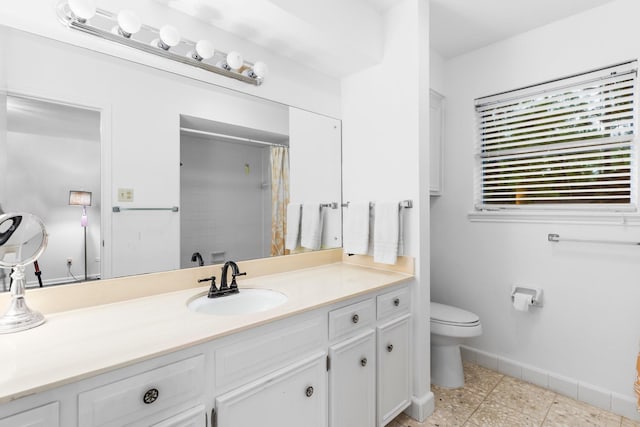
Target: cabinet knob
[
  {"x": 355, "y": 318},
  {"x": 390, "y": 348},
  {"x": 150, "y": 396},
  {"x": 363, "y": 361},
  {"x": 396, "y": 302},
  {"x": 309, "y": 391}
]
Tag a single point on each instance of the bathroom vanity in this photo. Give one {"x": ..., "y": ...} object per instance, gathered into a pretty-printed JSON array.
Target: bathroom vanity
[{"x": 336, "y": 353}]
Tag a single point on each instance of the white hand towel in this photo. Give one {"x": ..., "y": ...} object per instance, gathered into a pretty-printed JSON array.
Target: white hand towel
[
  {"x": 356, "y": 228},
  {"x": 292, "y": 236},
  {"x": 311, "y": 233},
  {"x": 386, "y": 232}
]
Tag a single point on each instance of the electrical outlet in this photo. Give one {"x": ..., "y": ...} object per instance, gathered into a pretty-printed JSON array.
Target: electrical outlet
[
  {"x": 69, "y": 262},
  {"x": 125, "y": 194}
]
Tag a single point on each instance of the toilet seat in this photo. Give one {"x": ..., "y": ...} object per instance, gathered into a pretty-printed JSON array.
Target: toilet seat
[
  {"x": 447, "y": 315},
  {"x": 453, "y": 322}
]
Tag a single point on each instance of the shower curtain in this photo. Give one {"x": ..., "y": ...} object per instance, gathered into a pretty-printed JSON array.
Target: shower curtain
[{"x": 279, "y": 197}]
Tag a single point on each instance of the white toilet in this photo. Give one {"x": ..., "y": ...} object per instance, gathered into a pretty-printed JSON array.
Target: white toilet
[{"x": 449, "y": 327}]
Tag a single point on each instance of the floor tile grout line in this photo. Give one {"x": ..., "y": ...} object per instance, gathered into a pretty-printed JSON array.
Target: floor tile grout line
[
  {"x": 555, "y": 395},
  {"x": 483, "y": 399}
]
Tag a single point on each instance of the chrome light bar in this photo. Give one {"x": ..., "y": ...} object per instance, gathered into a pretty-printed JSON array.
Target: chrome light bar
[{"x": 104, "y": 24}]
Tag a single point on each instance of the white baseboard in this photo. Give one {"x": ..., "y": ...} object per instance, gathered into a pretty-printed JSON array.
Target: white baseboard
[
  {"x": 421, "y": 407},
  {"x": 575, "y": 389}
]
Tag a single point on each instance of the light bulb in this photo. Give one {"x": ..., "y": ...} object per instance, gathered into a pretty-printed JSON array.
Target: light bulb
[
  {"x": 234, "y": 60},
  {"x": 260, "y": 69},
  {"x": 169, "y": 37},
  {"x": 128, "y": 23},
  {"x": 204, "y": 50},
  {"x": 83, "y": 9}
]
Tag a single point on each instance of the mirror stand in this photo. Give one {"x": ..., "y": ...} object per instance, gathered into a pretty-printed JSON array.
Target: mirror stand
[{"x": 19, "y": 316}]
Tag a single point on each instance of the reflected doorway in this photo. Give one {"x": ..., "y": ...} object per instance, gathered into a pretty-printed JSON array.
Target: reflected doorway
[
  {"x": 49, "y": 150},
  {"x": 225, "y": 191}
]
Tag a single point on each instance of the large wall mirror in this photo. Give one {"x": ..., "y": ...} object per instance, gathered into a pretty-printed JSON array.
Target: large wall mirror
[{"x": 138, "y": 170}]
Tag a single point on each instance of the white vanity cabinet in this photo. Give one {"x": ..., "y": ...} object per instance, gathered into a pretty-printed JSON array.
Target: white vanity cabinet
[
  {"x": 143, "y": 398},
  {"x": 369, "y": 360},
  {"x": 352, "y": 381},
  {"x": 394, "y": 377},
  {"x": 294, "y": 396},
  {"x": 43, "y": 416},
  {"x": 343, "y": 365}
]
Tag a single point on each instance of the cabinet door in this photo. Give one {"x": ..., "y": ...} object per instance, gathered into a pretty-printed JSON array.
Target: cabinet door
[
  {"x": 194, "y": 417},
  {"x": 436, "y": 142},
  {"x": 352, "y": 382},
  {"x": 394, "y": 392},
  {"x": 43, "y": 416},
  {"x": 295, "y": 396}
]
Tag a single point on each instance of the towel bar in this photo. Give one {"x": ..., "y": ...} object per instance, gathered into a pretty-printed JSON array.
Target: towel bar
[
  {"x": 555, "y": 238},
  {"x": 405, "y": 204},
  {"x": 332, "y": 205},
  {"x": 119, "y": 209}
]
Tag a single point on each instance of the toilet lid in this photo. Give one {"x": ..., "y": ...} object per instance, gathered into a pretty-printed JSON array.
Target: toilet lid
[{"x": 443, "y": 313}]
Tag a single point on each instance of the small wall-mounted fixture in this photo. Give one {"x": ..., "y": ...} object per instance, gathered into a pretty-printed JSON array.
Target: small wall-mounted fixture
[{"x": 126, "y": 28}]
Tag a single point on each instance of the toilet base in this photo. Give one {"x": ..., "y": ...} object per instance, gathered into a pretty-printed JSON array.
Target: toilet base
[{"x": 446, "y": 366}]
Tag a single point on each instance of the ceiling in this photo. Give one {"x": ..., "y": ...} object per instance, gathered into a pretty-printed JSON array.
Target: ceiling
[
  {"x": 321, "y": 34},
  {"x": 460, "y": 26}
]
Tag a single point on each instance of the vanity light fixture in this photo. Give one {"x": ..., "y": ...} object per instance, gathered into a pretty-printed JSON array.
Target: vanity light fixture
[
  {"x": 204, "y": 50},
  {"x": 128, "y": 23},
  {"x": 83, "y": 9},
  {"x": 169, "y": 37},
  {"x": 127, "y": 29}
]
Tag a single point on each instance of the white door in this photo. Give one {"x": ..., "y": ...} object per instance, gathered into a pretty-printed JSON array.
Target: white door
[
  {"x": 394, "y": 392},
  {"x": 194, "y": 417},
  {"x": 295, "y": 396},
  {"x": 352, "y": 382}
]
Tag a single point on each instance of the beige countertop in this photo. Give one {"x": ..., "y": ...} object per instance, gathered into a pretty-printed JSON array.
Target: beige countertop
[{"x": 77, "y": 344}]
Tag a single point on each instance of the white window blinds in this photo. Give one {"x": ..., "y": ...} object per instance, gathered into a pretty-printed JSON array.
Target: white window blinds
[{"x": 564, "y": 143}]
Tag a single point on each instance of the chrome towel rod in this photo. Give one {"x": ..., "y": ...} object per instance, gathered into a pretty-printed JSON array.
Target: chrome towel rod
[
  {"x": 119, "y": 209},
  {"x": 555, "y": 238},
  {"x": 405, "y": 204},
  {"x": 332, "y": 205}
]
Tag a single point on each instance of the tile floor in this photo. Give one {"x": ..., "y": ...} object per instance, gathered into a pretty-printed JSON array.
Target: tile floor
[{"x": 492, "y": 399}]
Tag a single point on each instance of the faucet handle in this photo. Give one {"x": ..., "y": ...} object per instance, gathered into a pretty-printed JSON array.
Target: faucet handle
[
  {"x": 233, "y": 280},
  {"x": 212, "y": 289}
]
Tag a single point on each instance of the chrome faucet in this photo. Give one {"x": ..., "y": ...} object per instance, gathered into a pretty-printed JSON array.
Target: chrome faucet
[{"x": 235, "y": 272}]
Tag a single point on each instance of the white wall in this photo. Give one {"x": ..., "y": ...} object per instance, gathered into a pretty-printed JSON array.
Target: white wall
[
  {"x": 385, "y": 154},
  {"x": 315, "y": 154},
  {"x": 225, "y": 207},
  {"x": 588, "y": 328},
  {"x": 69, "y": 164},
  {"x": 437, "y": 76}
]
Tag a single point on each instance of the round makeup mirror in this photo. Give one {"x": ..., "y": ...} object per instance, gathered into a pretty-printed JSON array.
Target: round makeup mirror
[{"x": 23, "y": 238}]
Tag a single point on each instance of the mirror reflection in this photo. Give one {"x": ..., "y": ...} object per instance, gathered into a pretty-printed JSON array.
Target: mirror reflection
[{"x": 116, "y": 131}]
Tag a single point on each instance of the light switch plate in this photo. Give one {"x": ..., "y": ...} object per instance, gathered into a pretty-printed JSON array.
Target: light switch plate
[{"x": 125, "y": 194}]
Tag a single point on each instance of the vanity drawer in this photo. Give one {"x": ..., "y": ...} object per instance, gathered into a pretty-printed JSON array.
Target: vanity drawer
[
  {"x": 351, "y": 318},
  {"x": 267, "y": 349},
  {"x": 140, "y": 396},
  {"x": 394, "y": 303}
]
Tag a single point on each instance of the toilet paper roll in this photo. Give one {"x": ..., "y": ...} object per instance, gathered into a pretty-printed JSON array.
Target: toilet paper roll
[{"x": 521, "y": 302}]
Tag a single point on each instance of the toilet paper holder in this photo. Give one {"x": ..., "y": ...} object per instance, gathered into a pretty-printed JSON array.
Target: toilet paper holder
[{"x": 536, "y": 294}]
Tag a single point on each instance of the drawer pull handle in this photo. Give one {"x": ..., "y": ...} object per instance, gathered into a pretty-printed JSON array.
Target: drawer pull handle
[
  {"x": 355, "y": 318},
  {"x": 390, "y": 348},
  {"x": 363, "y": 361},
  {"x": 150, "y": 396},
  {"x": 396, "y": 302},
  {"x": 309, "y": 391}
]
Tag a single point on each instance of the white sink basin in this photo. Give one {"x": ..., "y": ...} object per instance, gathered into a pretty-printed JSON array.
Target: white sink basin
[{"x": 246, "y": 302}]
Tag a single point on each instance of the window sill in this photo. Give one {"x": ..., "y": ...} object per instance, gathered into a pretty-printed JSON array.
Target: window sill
[{"x": 631, "y": 218}]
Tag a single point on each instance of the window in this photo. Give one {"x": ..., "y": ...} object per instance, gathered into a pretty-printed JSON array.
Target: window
[{"x": 565, "y": 144}]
